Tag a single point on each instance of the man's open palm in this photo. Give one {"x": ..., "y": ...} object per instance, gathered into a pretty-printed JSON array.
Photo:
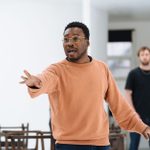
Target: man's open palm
[{"x": 30, "y": 80}]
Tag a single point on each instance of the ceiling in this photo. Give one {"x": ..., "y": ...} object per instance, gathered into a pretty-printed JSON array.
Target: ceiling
[
  {"x": 125, "y": 10},
  {"x": 118, "y": 10}
]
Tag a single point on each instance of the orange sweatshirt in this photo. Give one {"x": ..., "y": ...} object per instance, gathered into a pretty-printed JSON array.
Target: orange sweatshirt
[{"x": 76, "y": 94}]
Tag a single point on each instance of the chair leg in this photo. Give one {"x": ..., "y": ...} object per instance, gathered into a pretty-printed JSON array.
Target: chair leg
[
  {"x": 42, "y": 144},
  {"x": 52, "y": 143}
]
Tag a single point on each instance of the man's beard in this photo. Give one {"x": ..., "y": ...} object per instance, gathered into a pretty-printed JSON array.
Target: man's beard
[
  {"x": 77, "y": 58},
  {"x": 145, "y": 63},
  {"x": 73, "y": 59}
]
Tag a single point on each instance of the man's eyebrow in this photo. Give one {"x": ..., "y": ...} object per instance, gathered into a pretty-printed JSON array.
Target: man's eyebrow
[{"x": 76, "y": 34}]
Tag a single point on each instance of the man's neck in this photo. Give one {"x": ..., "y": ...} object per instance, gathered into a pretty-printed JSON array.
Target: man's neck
[{"x": 145, "y": 67}]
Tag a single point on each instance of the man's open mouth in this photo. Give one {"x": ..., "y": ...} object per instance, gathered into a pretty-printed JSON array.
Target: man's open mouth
[{"x": 71, "y": 51}]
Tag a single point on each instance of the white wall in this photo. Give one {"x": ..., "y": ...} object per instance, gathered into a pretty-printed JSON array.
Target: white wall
[{"x": 30, "y": 38}]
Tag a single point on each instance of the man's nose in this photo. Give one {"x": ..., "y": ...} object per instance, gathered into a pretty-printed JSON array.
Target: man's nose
[{"x": 70, "y": 43}]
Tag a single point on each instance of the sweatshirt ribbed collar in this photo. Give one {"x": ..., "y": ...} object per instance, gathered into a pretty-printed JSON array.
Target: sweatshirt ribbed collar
[{"x": 78, "y": 64}]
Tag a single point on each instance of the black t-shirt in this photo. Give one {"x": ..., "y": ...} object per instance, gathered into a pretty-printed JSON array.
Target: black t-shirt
[{"x": 139, "y": 82}]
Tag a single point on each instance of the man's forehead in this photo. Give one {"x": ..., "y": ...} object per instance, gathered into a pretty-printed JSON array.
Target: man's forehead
[
  {"x": 73, "y": 31},
  {"x": 145, "y": 51}
]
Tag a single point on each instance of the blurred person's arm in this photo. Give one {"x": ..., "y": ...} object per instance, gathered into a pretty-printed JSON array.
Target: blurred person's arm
[{"x": 128, "y": 95}]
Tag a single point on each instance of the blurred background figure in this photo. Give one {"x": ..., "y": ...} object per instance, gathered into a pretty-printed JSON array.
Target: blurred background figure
[{"x": 137, "y": 92}]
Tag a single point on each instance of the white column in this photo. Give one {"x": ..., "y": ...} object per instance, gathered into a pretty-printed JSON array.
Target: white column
[
  {"x": 97, "y": 21},
  {"x": 99, "y": 33}
]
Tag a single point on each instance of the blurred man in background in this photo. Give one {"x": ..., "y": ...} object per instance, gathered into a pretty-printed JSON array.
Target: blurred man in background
[{"x": 138, "y": 92}]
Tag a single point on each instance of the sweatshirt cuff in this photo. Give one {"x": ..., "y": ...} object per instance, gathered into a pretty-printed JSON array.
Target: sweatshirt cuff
[{"x": 33, "y": 92}]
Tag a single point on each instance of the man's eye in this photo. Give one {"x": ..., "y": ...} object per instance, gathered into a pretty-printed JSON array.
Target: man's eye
[
  {"x": 75, "y": 39},
  {"x": 66, "y": 40}
]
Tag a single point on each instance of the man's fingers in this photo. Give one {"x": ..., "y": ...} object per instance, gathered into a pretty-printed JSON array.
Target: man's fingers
[
  {"x": 22, "y": 82},
  {"x": 27, "y": 73},
  {"x": 147, "y": 136},
  {"x": 147, "y": 133},
  {"x": 24, "y": 78},
  {"x": 30, "y": 80}
]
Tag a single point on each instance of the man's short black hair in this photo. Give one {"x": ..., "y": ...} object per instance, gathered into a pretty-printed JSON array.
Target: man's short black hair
[{"x": 81, "y": 26}]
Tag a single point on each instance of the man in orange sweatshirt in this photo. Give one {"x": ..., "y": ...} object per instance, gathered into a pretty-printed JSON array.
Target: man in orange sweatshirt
[{"x": 77, "y": 87}]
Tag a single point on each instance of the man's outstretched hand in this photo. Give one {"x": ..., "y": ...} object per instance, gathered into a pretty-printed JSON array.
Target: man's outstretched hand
[
  {"x": 146, "y": 133},
  {"x": 31, "y": 80}
]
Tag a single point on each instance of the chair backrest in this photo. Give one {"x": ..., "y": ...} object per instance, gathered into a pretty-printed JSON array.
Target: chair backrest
[
  {"x": 19, "y": 136},
  {"x": 6, "y": 130},
  {"x": 21, "y": 127}
]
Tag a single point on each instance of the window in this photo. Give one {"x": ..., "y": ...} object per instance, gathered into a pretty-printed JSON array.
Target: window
[
  {"x": 119, "y": 58},
  {"x": 119, "y": 54}
]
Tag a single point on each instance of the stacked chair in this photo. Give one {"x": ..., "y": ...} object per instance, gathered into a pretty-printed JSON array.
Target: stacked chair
[{"x": 20, "y": 137}]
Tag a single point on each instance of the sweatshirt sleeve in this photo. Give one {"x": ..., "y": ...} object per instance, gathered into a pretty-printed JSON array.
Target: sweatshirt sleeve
[
  {"x": 124, "y": 114},
  {"x": 49, "y": 82}
]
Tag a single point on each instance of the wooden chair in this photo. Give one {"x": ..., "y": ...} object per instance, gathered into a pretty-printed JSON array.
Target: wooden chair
[
  {"x": 117, "y": 138},
  {"x": 52, "y": 138},
  {"x": 19, "y": 136},
  {"x": 5, "y": 130}
]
